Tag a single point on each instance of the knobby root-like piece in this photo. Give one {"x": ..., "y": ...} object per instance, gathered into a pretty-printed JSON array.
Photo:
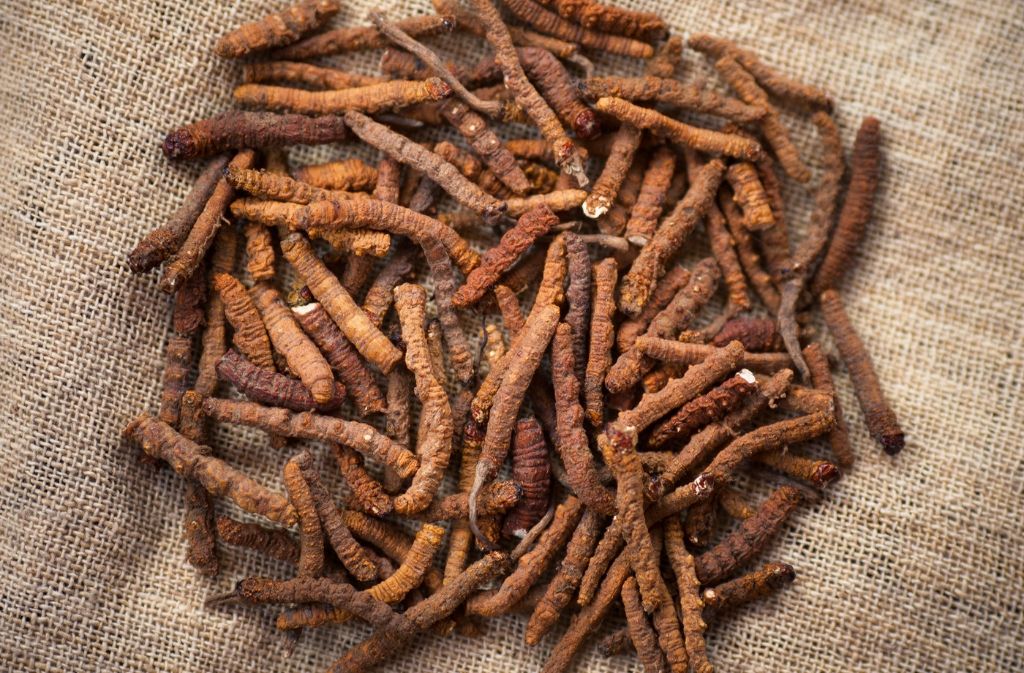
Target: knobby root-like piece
[
  {"x": 190, "y": 255},
  {"x": 486, "y": 143},
  {"x": 397, "y": 633},
  {"x": 189, "y": 310},
  {"x": 819, "y": 473},
  {"x": 304, "y": 425},
  {"x": 750, "y": 196},
  {"x": 670, "y": 633},
  {"x": 311, "y": 536},
  {"x": 674, "y": 280},
  {"x": 302, "y": 355},
  {"x": 699, "y": 523},
  {"x": 750, "y": 587},
  {"x": 268, "y": 387},
  {"x": 190, "y": 460},
  {"x": 277, "y": 30},
  {"x": 516, "y": 240},
  {"x": 643, "y": 218},
  {"x": 199, "y": 527},
  {"x": 165, "y": 240},
  {"x": 436, "y": 428},
  {"x": 749, "y": 539},
  {"x": 856, "y": 212},
  {"x": 673, "y": 93},
  {"x": 757, "y": 335},
  {"x": 342, "y": 357},
  {"x": 306, "y": 74},
  {"x": 555, "y": 84},
  {"x": 365, "y": 489},
  {"x": 821, "y": 377},
  {"x": 531, "y": 565},
  {"x": 878, "y": 414},
  {"x": 549, "y": 23},
  {"x": 677, "y": 352},
  {"x": 667, "y": 59},
  {"x": 775, "y": 82},
  {"x": 356, "y": 274},
  {"x": 370, "y": 99},
  {"x": 611, "y": 19},
  {"x": 774, "y": 240},
  {"x": 312, "y": 590},
  {"x": 771, "y": 125},
  {"x": 355, "y": 559},
  {"x": 577, "y": 296},
  {"x": 275, "y": 543},
  {"x": 400, "y": 64},
  {"x": 497, "y": 34},
  {"x": 747, "y": 254},
  {"x": 526, "y": 271},
  {"x": 620, "y": 158},
  {"x": 459, "y": 355},
  {"x": 214, "y": 342},
  {"x": 602, "y": 332},
  {"x": 729, "y": 263},
  {"x": 637, "y": 285},
  {"x": 559, "y": 200},
  {"x": 348, "y": 174},
  {"x": 341, "y": 40},
  {"x": 679, "y": 314},
  {"x": 531, "y": 470},
  {"x": 355, "y": 325},
  {"x": 644, "y": 638},
  {"x": 405, "y": 151},
  {"x": 702, "y": 140},
  {"x": 250, "y": 335},
  {"x": 708, "y": 408},
  {"x": 177, "y": 364},
  {"x": 690, "y": 602},
  {"x": 237, "y": 130},
  {"x": 523, "y": 360},
  {"x": 733, "y": 502},
  {"x": 562, "y": 587},
  {"x": 259, "y": 251},
  {"x": 381, "y": 293},
  {"x": 572, "y": 443}
]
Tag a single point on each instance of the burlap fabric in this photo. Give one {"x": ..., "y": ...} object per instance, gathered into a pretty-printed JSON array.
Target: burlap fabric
[{"x": 909, "y": 564}]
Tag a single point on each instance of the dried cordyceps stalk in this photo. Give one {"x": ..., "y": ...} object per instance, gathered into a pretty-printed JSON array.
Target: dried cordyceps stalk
[
  {"x": 641, "y": 633},
  {"x": 268, "y": 387},
  {"x": 400, "y": 64},
  {"x": 459, "y": 354},
  {"x": 749, "y": 539},
  {"x": 531, "y": 565},
  {"x": 370, "y": 99},
  {"x": 702, "y": 140},
  {"x": 403, "y": 150},
  {"x": 259, "y": 251},
  {"x": 667, "y": 59},
  {"x": 307, "y": 590},
  {"x": 856, "y": 212},
  {"x": 189, "y": 459},
  {"x": 750, "y": 196},
  {"x": 611, "y": 19},
  {"x": 878, "y": 414},
  {"x": 728, "y": 261},
  {"x": 559, "y": 201},
  {"x": 674, "y": 280},
  {"x": 562, "y": 587},
  {"x": 602, "y": 332},
  {"x": 577, "y": 296},
  {"x": 747, "y": 254},
  {"x": 355, "y": 325},
  {"x": 750, "y": 587},
  {"x": 307, "y": 74},
  {"x": 531, "y": 226},
  {"x": 189, "y": 310},
  {"x": 236, "y": 130},
  {"x": 486, "y": 144},
  {"x": 193, "y": 249},
  {"x": 819, "y": 473},
  {"x": 639, "y": 282},
  {"x": 771, "y": 126},
  {"x": 624, "y": 146},
  {"x": 643, "y": 218},
  {"x": 708, "y": 408},
  {"x": 774, "y": 240},
  {"x": 673, "y": 93},
  {"x": 348, "y": 174},
  {"x": 699, "y": 523},
  {"x": 680, "y": 312},
  {"x": 277, "y": 30},
  {"x": 343, "y": 40},
  {"x": 304, "y": 425},
  {"x": 677, "y": 352},
  {"x": 177, "y": 364},
  {"x": 275, "y": 543},
  {"x": 531, "y": 471},
  {"x": 381, "y": 293},
  {"x": 250, "y": 335},
  {"x": 756, "y": 334},
  {"x": 164, "y": 241},
  {"x": 365, "y": 489},
  {"x": 436, "y": 429},
  {"x": 311, "y": 537},
  {"x": 549, "y": 23},
  {"x": 821, "y": 377},
  {"x": 778, "y": 84},
  {"x": 302, "y": 355},
  {"x": 200, "y": 529},
  {"x": 497, "y": 34},
  {"x": 617, "y": 642},
  {"x": 733, "y": 502},
  {"x": 341, "y": 356},
  {"x": 556, "y": 85},
  {"x": 523, "y": 360},
  {"x": 690, "y": 601},
  {"x": 670, "y": 633},
  {"x": 214, "y": 342},
  {"x": 572, "y": 443}
]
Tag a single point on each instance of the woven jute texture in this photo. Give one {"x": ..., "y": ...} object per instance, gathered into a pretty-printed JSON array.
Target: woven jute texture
[{"x": 907, "y": 564}]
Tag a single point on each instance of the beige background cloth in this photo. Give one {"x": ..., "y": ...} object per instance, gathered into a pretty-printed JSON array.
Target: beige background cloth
[{"x": 908, "y": 564}]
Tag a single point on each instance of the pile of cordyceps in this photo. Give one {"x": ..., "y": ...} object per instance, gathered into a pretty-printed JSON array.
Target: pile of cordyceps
[{"x": 624, "y": 447}]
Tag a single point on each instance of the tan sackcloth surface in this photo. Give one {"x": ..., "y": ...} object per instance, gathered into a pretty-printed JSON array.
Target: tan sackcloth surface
[{"x": 909, "y": 564}]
